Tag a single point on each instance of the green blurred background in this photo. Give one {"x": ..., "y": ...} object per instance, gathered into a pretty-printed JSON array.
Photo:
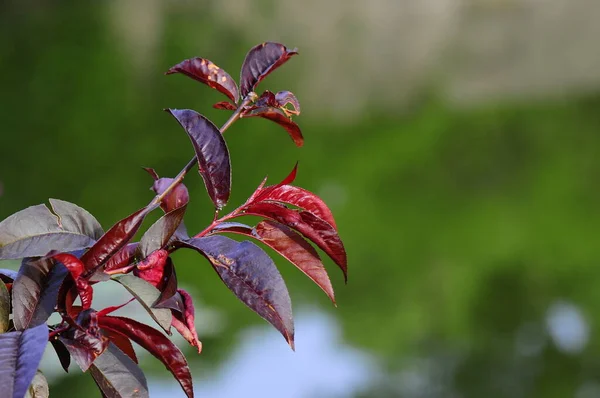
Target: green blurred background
[{"x": 456, "y": 142}]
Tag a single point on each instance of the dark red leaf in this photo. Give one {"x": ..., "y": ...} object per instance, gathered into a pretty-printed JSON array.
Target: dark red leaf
[
  {"x": 35, "y": 291},
  {"x": 262, "y": 191},
  {"x": 76, "y": 268},
  {"x": 123, "y": 260},
  {"x": 232, "y": 227},
  {"x": 301, "y": 198},
  {"x": 212, "y": 153},
  {"x": 259, "y": 62},
  {"x": 185, "y": 322},
  {"x": 84, "y": 340},
  {"x": 20, "y": 356},
  {"x": 299, "y": 252},
  {"x": 225, "y": 105},
  {"x": 312, "y": 227},
  {"x": 208, "y": 73},
  {"x": 168, "y": 287},
  {"x": 122, "y": 342},
  {"x": 63, "y": 354},
  {"x": 156, "y": 343},
  {"x": 279, "y": 117},
  {"x": 147, "y": 295},
  {"x": 158, "y": 235},
  {"x": 37, "y": 230},
  {"x": 152, "y": 268},
  {"x": 118, "y": 376},
  {"x": 252, "y": 276},
  {"x": 267, "y": 98},
  {"x": 113, "y": 240}
]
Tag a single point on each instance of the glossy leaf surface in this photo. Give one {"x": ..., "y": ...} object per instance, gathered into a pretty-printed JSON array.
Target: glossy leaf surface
[
  {"x": 252, "y": 276},
  {"x": 122, "y": 259},
  {"x": 113, "y": 240},
  {"x": 152, "y": 268},
  {"x": 207, "y": 72},
  {"x": 309, "y": 225},
  {"x": 20, "y": 356},
  {"x": 301, "y": 198},
  {"x": 118, "y": 376},
  {"x": 259, "y": 62},
  {"x": 212, "y": 153},
  {"x": 35, "y": 291},
  {"x": 147, "y": 295},
  {"x": 76, "y": 268},
  {"x": 83, "y": 340},
  {"x": 37, "y": 230},
  {"x": 157, "y": 344},
  {"x": 279, "y": 117},
  {"x": 184, "y": 322}
]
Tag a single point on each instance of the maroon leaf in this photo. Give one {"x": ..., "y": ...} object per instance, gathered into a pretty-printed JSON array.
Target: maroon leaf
[
  {"x": 147, "y": 295},
  {"x": 20, "y": 356},
  {"x": 76, "y": 268},
  {"x": 63, "y": 354},
  {"x": 225, "y": 105},
  {"x": 35, "y": 291},
  {"x": 259, "y": 62},
  {"x": 208, "y": 73},
  {"x": 301, "y": 198},
  {"x": 122, "y": 342},
  {"x": 185, "y": 322},
  {"x": 232, "y": 227},
  {"x": 212, "y": 153},
  {"x": 158, "y": 235},
  {"x": 156, "y": 343},
  {"x": 37, "y": 230},
  {"x": 261, "y": 191},
  {"x": 123, "y": 260},
  {"x": 168, "y": 287},
  {"x": 118, "y": 376},
  {"x": 84, "y": 340},
  {"x": 279, "y": 117},
  {"x": 175, "y": 199},
  {"x": 252, "y": 276},
  {"x": 113, "y": 240},
  {"x": 152, "y": 268},
  {"x": 309, "y": 225}
]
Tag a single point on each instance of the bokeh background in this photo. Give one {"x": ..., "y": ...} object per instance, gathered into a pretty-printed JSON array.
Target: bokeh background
[{"x": 456, "y": 141}]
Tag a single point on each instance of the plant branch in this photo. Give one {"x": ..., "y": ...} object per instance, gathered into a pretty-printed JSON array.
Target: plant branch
[{"x": 190, "y": 165}]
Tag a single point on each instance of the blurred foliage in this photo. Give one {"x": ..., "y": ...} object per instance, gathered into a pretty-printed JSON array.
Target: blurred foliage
[{"x": 462, "y": 225}]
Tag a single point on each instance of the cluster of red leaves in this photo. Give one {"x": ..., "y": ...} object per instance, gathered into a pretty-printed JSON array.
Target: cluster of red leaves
[{"x": 65, "y": 252}]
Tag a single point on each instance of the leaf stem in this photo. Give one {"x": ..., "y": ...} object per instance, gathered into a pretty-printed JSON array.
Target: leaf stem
[{"x": 190, "y": 165}]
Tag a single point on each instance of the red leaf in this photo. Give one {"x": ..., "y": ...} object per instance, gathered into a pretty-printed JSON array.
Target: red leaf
[
  {"x": 154, "y": 342},
  {"x": 301, "y": 198},
  {"x": 252, "y": 276},
  {"x": 122, "y": 342},
  {"x": 260, "y": 61},
  {"x": 113, "y": 240},
  {"x": 168, "y": 288},
  {"x": 279, "y": 117},
  {"x": 207, "y": 72},
  {"x": 212, "y": 153},
  {"x": 122, "y": 261},
  {"x": 225, "y": 105},
  {"x": 76, "y": 268},
  {"x": 152, "y": 268},
  {"x": 309, "y": 225},
  {"x": 260, "y": 191},
  {"x": 185, "y": 323}
]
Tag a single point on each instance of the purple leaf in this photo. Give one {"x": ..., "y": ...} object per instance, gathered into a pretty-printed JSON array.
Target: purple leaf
[
  {"x": 279, "y": 117},
  {"x": 118, "y": 376},
  {"x": 207, "y": 72},
  {"x": 61, "y": 351},
  {"x": 175, "y": 199},
  {"x": 259, "y": 62},
  {"x": 212, "y": 153},
  {"x": 284, "y": 98},
  {"x": 83, "y": 339},
  {"x": 35, "y": 291},
  {"x": 252, "y": 276},
  {"x": 37, "y": 230},
  {"x": 156, "y": 343},
  {"x": 20, "y": 355},
  {"x": 147, "y": 295},
  {"x": 184, "y": 322}
]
